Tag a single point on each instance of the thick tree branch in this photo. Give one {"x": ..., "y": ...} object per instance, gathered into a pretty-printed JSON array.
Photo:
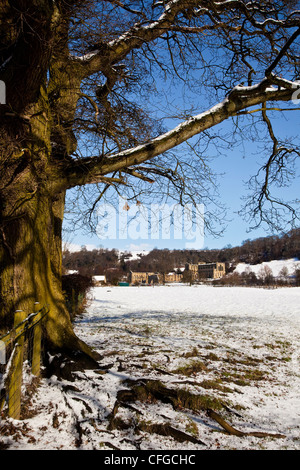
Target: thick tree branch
[
  {"x": 93, "y": 169},
  {"x": 133, "y": 38},
  {"x": 116, "y": 50}
]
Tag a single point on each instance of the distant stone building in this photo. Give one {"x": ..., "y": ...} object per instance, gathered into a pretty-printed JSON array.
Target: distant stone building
[
  {"x": 173, "y": 277},
  {"x": 144, "y": 278},
  {"x": 206, "y": 270},
  {"x": 198, "y": 271},
  {"x": 192, "y": 267}
]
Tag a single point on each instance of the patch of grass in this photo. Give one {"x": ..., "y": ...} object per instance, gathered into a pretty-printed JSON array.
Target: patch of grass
[
  {"x": 243, "y": 378},
  {"x": 285, "y": 344},
  {"x": 215, "y": 384},
  {"x": 271, "y": 358},
  {"x": 193, "y": 353},
  {"x": 213, "y": 357},
  {"x": 271, "y": 346},
  {"x": 185, "y": 399},
  {"x": 278, "y": 345},
  {"x": 234, "y": 358},
  {"x": 191, "y": 369},
  {"x": 192, "y": 428}
]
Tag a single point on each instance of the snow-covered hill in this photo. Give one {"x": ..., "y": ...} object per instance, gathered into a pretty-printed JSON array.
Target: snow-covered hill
[
  {"x": 133, "y": 255},
  {"x": 276, "y": 266}
]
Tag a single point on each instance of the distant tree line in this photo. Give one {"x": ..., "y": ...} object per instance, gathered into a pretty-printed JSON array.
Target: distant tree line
[
  {"x": 264, "y": 278},
  {"x": 251, "y": 252},
  {"x": 94, "y": 262},
  {"x": 116, "y": 266}
]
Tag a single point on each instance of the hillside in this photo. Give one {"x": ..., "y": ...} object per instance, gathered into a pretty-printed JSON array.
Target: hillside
[
  {"x": 279, "y": 268},
  {"x": 116, "y": 264}
]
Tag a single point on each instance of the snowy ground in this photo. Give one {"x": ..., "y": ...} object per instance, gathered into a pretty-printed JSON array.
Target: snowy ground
[{"x": 235, "y": 346}]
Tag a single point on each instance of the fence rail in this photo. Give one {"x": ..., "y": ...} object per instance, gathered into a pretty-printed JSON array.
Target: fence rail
[{"x": 22, "y": 342}]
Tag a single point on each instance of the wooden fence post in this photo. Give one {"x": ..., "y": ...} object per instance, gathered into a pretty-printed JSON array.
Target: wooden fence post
[
  {"x": 15, "y": 382},
  {"x": 37, "y": 341}
]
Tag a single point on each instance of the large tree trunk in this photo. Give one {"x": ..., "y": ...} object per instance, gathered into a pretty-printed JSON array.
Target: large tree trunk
[
  {"x": 31, "y": 214},
  {"x": 31, "y": 196},
  {"x": 30, "y": 263}
]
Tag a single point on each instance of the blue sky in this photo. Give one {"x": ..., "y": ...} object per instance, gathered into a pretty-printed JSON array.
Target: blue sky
[
  {"x": 237, "y": 165},
  {"x": 169, "y": 95}
]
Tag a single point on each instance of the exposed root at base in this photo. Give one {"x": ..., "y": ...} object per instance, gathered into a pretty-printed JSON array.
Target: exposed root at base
[
  {"x": 151, "y": 391},
  {"x": 231, "y": 430}
]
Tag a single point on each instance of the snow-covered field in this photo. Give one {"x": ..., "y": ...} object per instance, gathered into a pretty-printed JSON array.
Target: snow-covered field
[{"x": 232, "y": 349}]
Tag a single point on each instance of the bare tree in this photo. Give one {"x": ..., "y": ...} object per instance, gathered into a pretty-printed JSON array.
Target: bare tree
[{"x": 80, "y": 77}]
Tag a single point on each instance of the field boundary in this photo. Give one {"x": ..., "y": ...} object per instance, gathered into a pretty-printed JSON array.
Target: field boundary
[{"x": 22, "y": 344}]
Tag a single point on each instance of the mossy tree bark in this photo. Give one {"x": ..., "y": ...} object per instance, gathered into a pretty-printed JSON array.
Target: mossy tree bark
[
  {"x": 32, "y": 185},
  {"x": 32, "y": 209}
]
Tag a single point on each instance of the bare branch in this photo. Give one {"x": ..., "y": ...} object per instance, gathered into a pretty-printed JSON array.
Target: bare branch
[
  {"x": 117, "y": 49},
  {"x": 282, "y": 52},
  {"x": 238, "y": 99}
]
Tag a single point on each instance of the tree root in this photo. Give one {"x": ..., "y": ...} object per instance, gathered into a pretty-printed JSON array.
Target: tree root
[
  {"x": 150, "y": 391},
  {"x": 110, "y": 445},
  {"x": 162, "y": 429},
  {"x": 153, "y": 390},
  {"x": 235, "y": 432},
  {"x": 64, "y": 364}
]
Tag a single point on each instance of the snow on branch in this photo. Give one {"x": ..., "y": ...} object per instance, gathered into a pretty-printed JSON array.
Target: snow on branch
[{"x": 240, "y": 98}]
